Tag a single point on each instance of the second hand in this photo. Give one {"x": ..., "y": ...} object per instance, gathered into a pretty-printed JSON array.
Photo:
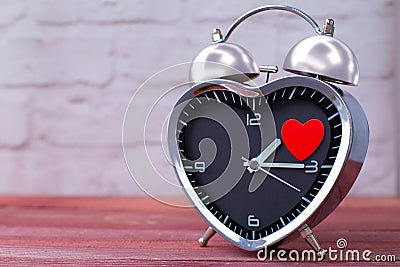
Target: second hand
[{"x": 279, "y": 179}]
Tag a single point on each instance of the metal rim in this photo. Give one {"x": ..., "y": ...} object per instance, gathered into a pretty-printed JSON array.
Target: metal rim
[{"x": 334, "y": 175}]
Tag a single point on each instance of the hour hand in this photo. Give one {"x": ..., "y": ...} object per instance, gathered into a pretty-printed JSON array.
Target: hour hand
[
  {"x": 268, "y": 150},
  {"x": 265, "y": 153}
]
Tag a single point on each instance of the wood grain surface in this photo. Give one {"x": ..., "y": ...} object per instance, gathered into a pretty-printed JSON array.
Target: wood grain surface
[{"x": 82, "y": 231}]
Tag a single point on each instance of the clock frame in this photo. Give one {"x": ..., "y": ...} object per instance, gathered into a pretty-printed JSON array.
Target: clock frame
[{"x": 350, "y": 157}]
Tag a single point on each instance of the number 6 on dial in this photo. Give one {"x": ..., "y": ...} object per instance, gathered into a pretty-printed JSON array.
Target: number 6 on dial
[{"x": 252, "y": 221}]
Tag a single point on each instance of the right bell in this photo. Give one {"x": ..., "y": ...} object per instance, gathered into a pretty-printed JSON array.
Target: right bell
[{"x": 324, "y": 57}]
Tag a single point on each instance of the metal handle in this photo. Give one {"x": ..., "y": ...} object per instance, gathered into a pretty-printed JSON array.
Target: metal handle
[{"x": 266, "y": 8}]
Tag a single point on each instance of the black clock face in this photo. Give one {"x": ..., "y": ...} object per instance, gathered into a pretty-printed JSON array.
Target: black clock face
[{"x": 287, "y": 163}]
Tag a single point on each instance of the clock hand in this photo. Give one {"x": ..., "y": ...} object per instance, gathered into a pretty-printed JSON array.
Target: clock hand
[
  {"x": 256, "y": 181},
  {"x": 278, "y": 165},
  {"x": 268, "y": 151},
  {"x": 279, "y": 179},
  {"x": 265, "y": 153}
]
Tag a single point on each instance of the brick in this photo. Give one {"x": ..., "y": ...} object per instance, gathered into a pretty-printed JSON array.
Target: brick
[
  {"x": 152, "y": 49},
  {"x": 84, "y": 116},
  {"x": 14, "y": 119},
  {"x": 52, "y": 170},
  {"x": 67, "y": 171},
  {"x": 11, "y": 170},
  {"x": 81, "y": 116},
  {"x": 11, "y": 11},
  {"x": 52, "y": 61},
  {"x": 220, "y": 10},
  {"x": 320, "y": 10},
  {"x": 223, "y": 10},
  {"x": 107, "y": 11},
  {"x": 141, "y": 11},
  {"x": 58, "y": 11}
]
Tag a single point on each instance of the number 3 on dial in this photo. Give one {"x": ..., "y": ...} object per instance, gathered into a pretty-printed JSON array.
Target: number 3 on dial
[{"x": 313, "y": 167}]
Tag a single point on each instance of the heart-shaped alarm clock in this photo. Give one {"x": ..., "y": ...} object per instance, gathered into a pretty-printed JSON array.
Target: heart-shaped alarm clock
[{"x": 263, "y": 163}]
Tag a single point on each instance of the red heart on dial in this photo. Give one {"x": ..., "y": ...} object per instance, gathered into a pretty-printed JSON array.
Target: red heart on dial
[{"x": 302, "y": 139}]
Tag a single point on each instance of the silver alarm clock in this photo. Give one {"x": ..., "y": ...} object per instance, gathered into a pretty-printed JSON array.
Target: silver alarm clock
[{"x": 265, "y": 163}]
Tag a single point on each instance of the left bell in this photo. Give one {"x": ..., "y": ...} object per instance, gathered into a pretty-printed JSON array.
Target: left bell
[{"x": 224, "y": 61}]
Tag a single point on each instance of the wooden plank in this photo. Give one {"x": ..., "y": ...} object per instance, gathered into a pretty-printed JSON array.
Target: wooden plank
[{"x": 140, "y": 231}]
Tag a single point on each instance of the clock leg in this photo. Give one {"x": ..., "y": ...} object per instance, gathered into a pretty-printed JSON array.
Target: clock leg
[
  {"x": 203, "y": 240},
  {"x": 311, "y": 239}
]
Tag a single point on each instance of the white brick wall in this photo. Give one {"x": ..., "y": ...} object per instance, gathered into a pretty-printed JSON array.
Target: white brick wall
[
  {"x": 14, "y": 118},
  {"x": 69, "y": 67}
]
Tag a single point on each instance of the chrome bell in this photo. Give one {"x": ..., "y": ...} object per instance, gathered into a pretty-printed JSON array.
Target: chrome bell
[
  {"x": 223, "y": 61},
  {"x": 324, "y": 57}
]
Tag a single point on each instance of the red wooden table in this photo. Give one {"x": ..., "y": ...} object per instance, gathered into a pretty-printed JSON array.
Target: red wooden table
[{"x": 57, "y": 231}]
